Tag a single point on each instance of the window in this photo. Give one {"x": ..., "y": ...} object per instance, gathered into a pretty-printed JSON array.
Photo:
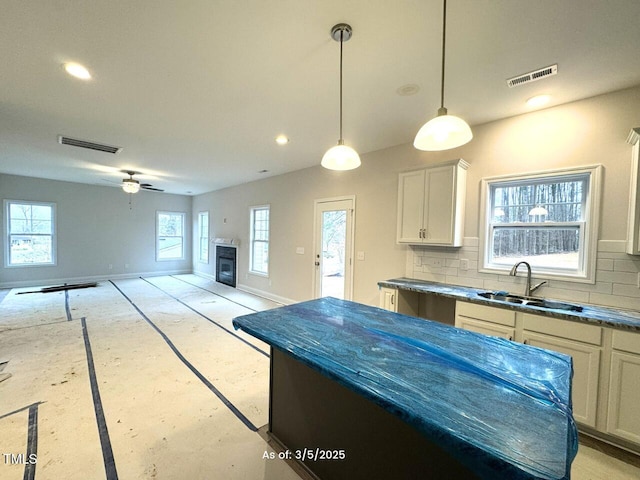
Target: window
[
  {"x": 170, "y": 236},
  {"x": 547, "y": 219},
  {"x": 260, "y": 240},
  {"x": 30, "y": 233},
  {"x": 203, "y": 233}
]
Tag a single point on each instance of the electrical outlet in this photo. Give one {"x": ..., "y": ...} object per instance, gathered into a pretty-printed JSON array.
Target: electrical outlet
[
  {"x": 110, "y": 266},
  {"x": 360, "y": 255},
  {"x": 464, "y": 264},
  {"x": 437, "y": 262},
  {"x": 417, "y": 261}
]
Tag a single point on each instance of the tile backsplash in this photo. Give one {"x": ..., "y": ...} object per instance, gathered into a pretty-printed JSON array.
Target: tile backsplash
[{"x": 616, "y": 274}]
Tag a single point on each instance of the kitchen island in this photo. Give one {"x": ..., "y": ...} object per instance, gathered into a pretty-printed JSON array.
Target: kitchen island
[{"x": 360, "y": 392}]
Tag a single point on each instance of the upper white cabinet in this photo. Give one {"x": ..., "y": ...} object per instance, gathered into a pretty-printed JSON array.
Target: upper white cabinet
[
  {"x": 633, "y": 221},
  {"x": 431, "y": 205}
]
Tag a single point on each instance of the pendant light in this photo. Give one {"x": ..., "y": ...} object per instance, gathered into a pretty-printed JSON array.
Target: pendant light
[
  {"x": 341, "y": 157},
  {"x": 444, "y": 131}
]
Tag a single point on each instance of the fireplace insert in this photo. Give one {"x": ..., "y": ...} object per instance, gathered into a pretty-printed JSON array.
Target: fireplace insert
[{"x": 226, "y": 265}]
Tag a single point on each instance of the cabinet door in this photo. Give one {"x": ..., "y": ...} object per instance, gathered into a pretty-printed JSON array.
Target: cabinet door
[
  {"x": 410, "y": 207},
  {"x": 623, "y": 417},
  {"x": 388, "y": 299},
  {"x": 486, "y": 328},
  {"x": 438, "y": 205},
  {"x": 586, "y": 372}
]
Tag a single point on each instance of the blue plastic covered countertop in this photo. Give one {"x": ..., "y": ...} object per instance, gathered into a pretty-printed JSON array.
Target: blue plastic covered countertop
[{"x": 501, "y": 408}]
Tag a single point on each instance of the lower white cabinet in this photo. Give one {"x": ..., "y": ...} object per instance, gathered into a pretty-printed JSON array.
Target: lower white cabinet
[
  {"x": 623, "y": 416},
  {"x": 586, "y": 372},
  {"x": 584, "y": 344},
  {"x": 388, "y": 299}
]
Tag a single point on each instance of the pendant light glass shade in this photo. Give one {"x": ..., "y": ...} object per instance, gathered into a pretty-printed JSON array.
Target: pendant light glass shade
[
  {"x": 341, "y": 157},
  {"x": 444, "y": 131}
]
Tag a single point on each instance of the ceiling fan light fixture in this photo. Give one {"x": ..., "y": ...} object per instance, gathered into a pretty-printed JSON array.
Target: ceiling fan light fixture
[
  {"x": 130, "y": 185},
  {"x": 341, "y": 157},
  {"x": 444, "y": 131}
]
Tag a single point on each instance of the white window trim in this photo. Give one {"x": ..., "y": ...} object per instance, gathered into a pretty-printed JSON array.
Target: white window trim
[
  {"x": 200, "y": 237},
  {"x": 54, "y": 236},
  {"x": 251, "y": 213},
  {"x": 590, "y": 232},
  {"x": 184, "y": 236}
]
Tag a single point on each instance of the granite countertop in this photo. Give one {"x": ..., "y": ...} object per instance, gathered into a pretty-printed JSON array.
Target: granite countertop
[
  {"x": 499, "y": 407},
  {"x": 603, "y": 316}
]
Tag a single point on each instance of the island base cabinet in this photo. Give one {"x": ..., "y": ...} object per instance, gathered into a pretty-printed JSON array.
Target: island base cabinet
[
  {"x": 623, "y": 416},
  {"x": 338, "y": 434}
]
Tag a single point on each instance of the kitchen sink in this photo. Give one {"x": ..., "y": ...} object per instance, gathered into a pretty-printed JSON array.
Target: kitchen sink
[{"x": 530, "y": 301}]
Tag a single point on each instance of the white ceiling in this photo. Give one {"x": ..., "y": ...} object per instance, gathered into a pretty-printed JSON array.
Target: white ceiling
[{"x": 195, "y": 91}]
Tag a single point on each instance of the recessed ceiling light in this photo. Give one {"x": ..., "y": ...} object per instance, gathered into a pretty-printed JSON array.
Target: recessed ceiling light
[
  {"x": 77, "y": 70},
  {"x": 538, "y": 101},
  {"x": 282, "y": 139},
  {"x": 409, "y": 89}
]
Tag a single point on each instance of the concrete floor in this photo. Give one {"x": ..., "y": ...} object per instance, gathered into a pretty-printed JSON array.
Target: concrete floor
[{"x": 147, "y": 379}]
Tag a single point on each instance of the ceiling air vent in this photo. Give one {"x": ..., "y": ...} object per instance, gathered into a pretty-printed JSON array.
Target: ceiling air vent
[
  {"x": 532, "y": 76},
  {"x": 74, "y": 142}
]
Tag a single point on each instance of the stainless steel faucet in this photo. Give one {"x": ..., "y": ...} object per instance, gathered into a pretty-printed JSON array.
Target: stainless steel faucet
[{"x": 528, "y": 289}]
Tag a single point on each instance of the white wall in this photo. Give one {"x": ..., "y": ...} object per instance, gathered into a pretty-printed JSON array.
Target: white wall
[
  {"x": 95, "y": 229},
  {"x": 581, "y": 133}
]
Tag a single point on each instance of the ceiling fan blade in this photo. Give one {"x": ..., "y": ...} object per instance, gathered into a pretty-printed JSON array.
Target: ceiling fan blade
[{"x": 146, "y": 186}]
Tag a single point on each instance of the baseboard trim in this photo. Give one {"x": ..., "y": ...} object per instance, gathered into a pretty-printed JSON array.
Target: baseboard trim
[
  {"x": 92, "y": 278},
  {"x": 267, "y": 295}
]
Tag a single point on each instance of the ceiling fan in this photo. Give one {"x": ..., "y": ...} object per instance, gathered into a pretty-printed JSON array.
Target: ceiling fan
[{"x": 131, "y": 185}]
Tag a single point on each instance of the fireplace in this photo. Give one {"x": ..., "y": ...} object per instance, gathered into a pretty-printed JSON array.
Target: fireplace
[{"x": 226, "y": 265}]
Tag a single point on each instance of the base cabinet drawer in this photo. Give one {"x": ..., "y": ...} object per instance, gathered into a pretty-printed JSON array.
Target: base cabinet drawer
[{"x": 486, "y": 328}]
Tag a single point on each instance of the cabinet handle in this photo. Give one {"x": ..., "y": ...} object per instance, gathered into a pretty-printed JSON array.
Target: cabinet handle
[
  {"x": 393, "y": 299},
  {"x": 510, "y": 338},
  {"x": 525, "y": 341}
]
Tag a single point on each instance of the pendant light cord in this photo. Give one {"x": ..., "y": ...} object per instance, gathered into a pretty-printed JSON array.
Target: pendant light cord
[
  {"x": 444, "y": 28},
  {"x": 341, "y": 37}
]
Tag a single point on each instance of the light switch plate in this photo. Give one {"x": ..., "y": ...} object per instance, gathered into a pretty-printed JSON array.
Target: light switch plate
[{"x": 300, "y": 250}]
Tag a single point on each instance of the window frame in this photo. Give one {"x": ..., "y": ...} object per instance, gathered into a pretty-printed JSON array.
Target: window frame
[
  {"x": 253, "y": 240},
  {"x": 589, "y": 226},
  {"x": 182, "y": 215},
  {"x": 205, "y": 238},
  {"x": 7, "y": 234}
]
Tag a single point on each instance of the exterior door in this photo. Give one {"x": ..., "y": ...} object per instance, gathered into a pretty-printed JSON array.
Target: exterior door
[{"x": 333, "y": 251}]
